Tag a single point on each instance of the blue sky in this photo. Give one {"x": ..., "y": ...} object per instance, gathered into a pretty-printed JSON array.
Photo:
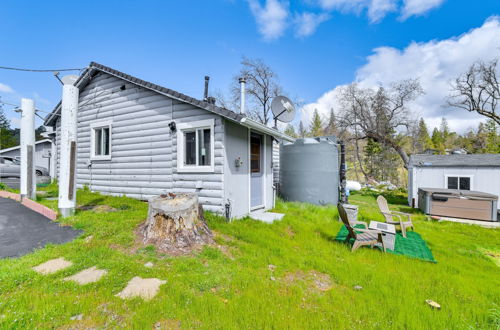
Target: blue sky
[{"x": 313, "y": 45}]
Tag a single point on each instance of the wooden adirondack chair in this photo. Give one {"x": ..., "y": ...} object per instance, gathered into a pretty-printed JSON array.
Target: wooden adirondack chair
[
  {"x": 361, "y": 236},
  {"x": 394, "y": 217}
]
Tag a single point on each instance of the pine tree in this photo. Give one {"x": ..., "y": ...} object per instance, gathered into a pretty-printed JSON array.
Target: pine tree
[
  {"x": 316, "y": 127},
  {"x": 492, "y": 137},
  {"x": 7, "y": 138},
  {"x": 290, "y": 131},
  {"x": 481, "y": 139},
  {"x": 302, "y": 130},
  {"x": 438, "y": 141},
  {"x": 331, "y": 127},
  {"x": 424, "y": 141}
]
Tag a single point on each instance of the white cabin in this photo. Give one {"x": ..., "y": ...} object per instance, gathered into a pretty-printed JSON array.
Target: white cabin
[
  {"x": 140, "y": 139},
  {"x": 479, "y": 172}
]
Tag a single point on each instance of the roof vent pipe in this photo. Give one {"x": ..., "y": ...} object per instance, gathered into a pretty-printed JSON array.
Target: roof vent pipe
[
  {"x": 205, "y": 94},
  {"x": 242, "y": 96}
]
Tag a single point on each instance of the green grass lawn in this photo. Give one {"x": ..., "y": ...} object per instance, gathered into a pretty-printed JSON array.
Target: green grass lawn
[{"x": 231, "y": 286}]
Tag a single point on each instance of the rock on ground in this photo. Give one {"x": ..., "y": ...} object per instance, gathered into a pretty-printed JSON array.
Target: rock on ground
[
  {"x": 52, "y": 266},
  {"x": 88, "y": 275},
  {"x": 145, "y": 288}
]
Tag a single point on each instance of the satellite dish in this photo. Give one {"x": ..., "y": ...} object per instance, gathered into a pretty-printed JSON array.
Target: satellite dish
[
  {"x": 69, "y": 79},
  {"x": 283, "y": 109}
]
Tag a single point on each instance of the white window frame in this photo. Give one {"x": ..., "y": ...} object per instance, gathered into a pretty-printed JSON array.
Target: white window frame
[
  {"x": 192, "y": 126},
  {"x": 471, "y": 177},
  {"x": 93, "y": 127}
]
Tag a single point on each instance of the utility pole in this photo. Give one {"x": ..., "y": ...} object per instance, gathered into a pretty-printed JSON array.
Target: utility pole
[
  {"x": 67, "y": 164},
  {"x": 28, "y": 179}
]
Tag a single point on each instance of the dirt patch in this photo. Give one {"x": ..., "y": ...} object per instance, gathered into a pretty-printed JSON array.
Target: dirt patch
[
  {"x": 225, "y": 237},
  {"x": 113, "y": 318},
  {"x": 314, "y": 280},
  {"x": 52, "y": 266},
  {"x": 494, "y": 255},
  {"x": 290, "y": 232},
  {"x": 167, "y": 325},
  {"x": 145, "y": 288},
  {"x": 97, "y": 208},
  {"x": 226, "y": 250},
  {"x": 86, "y": 276}
]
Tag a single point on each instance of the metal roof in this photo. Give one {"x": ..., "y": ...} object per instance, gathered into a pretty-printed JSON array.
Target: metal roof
[
  {"x": 93, "y": 67},
  {"x": 18, "y": 147},
  {"x": 468, "y": 160}
]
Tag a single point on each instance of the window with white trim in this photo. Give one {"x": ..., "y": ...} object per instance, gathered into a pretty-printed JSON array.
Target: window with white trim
[
  {"x": 459, "y": 182},
  {"x": 100, "y": 140},
  {"x": 195, "y": 146}
]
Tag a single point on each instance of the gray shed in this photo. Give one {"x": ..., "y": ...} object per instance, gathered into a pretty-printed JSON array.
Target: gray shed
[
  {"x": 43, "y": 150},
  {"x": 140, "y": 139},
  {"x": 479, "y": 172}
]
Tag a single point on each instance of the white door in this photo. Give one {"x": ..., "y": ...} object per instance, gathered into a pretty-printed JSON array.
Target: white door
[{"x": 256, "y": 171}]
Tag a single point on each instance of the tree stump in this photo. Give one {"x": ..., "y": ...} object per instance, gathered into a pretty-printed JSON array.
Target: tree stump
[{"x": 175, "y": 224}]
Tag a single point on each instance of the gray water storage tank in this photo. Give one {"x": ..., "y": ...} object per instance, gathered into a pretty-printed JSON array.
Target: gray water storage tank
[{"x": 309, "y": 171}]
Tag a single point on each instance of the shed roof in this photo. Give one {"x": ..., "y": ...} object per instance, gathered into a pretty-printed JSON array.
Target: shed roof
[
  {"x": 468, "y": 160},
  {"x": 94, "y": 67},
  {"x": 17, "y": 147}
]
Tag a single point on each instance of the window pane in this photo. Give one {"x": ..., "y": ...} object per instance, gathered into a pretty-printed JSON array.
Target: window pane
[
  {"x": 105, "y": 141},
  {"x": 204, "y": 147},
  {"x": 98, "y": 141},
  {"x": 255, "y": 154},
  {"x": 452, "y": 182},
  {"x": 464, "y": 183},
  {"x": 190, "y": 148}
]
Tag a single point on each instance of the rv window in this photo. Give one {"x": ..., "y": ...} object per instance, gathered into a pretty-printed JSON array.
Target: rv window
[
  {"x": 452, "y": 182},
  {"x": 464, "y": 183},
  {"x": 101, "y": 141},
  {"x": 457, "y": 182},
  {"x": 195, "y": 148}
]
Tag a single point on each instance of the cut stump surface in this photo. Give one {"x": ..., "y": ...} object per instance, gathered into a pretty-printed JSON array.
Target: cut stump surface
[{"x": 175, "y": 224}]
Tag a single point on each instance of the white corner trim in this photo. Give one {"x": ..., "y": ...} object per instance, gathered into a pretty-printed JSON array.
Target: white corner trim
[
  {"x": 195, "y": 125},
  {"x": 101, "y": 124}
]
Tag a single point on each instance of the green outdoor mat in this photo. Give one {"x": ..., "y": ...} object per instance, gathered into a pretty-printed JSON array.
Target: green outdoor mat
[{"x": 412, "y": 246}]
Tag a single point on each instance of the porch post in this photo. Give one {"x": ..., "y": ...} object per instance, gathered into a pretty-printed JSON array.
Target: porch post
[
  {"x": 28, "y": 179},
  {"x": 67, "y": 162}
]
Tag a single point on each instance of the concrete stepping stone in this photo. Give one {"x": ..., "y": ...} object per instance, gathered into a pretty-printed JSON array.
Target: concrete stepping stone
[
  {"x": 145, "y": 288},
  {"x": 86, "y": 276},
  {"x": 52, "y": 266}
]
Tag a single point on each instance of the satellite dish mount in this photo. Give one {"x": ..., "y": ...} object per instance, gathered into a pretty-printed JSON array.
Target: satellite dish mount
[{"x": 283, "y": 110}]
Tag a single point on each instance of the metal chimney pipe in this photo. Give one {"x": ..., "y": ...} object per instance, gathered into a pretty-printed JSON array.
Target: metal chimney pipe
[
  {"x": 242, "y": 96},
  {"x": 205, "y": 94}
]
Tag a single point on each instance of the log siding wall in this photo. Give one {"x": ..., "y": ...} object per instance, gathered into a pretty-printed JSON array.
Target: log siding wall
[{"x": 143, "y": 149}]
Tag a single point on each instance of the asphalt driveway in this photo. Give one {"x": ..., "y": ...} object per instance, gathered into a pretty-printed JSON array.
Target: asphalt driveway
[{"x": 23, "y": 230}]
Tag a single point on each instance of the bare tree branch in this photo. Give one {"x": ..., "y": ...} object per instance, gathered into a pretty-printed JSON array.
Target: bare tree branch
[
  {"x": 477, "y": 90},
  {"x": 381, "y": 114}
]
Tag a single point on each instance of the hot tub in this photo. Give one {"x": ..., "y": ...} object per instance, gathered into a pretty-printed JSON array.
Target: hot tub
[{"x": 458, "y": 203}]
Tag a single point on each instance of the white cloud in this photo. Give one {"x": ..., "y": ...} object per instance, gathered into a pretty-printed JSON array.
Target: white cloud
[
  {"x": 435, "y": 63},
  {"x": 6, "y": 88},
  {"x": 271, "y": 18},
  {"x": 307, "y": 23},
  {"x": 418, "y": 7},
  {"x": 379, "y": 8}
]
